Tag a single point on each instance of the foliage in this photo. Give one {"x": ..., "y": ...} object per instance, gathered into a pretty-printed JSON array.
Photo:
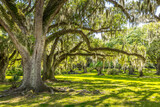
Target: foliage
[{"x": 15, "y": 71}]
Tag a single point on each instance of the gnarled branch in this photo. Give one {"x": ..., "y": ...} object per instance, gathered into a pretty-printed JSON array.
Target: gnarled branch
[
  {"x": 17, "y": 16},
  {"x": 116, "y": 4},
  {"x": 50, "y": 38},
  {"x": 18, "y": 45},
  {"x": 51, "y": 11}
]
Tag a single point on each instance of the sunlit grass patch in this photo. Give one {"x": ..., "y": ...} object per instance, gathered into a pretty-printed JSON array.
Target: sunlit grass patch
[{"x": 117, "y": 90}]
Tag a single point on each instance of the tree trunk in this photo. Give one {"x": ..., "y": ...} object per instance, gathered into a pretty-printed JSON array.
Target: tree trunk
[
  {"x": 103, "y": 65},
  {"x": 158, "y": 67},
  {"x": 46, "y": 68},
  {"x": 52, "y": 74},
  {"x": 32, "y": 75},
  {"x": 85, "y": 68},
  {"x": 131, "y": 70},
  {"x": 99, "y": 69},
  {"x": 141, "y": 72},
  {"x": 3, "y": 68}
]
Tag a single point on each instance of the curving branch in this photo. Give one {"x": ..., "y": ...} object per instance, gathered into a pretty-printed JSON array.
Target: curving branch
[
  {"x": 6, "y": 16},
  {"x": 54, "y": 47},
  {"x": 116, "y": 4},
  {"x": 29, "y": 5},
  {"x": 107, "y": 48},
  {"x": 76, "y": 47},
  {"x": 57, "y": 34},
  {"x": 63, "y": 56},
  {"x": 31, "y": 10},
  {"x": 17, "y": 15},
  {"x": 86, "y": 54},
  {"x": 13, "y": 54},
  {"x": 72, "y": 31},
  {"x": 103, "y": 29},
  {"x": 51, "y": 10},
  {"x": 18, "y": 45}
]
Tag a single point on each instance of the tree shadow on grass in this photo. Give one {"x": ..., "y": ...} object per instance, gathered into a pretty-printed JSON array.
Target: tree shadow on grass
[
  {"x": 142, "y": 102},
  {"x": 35, "y": 101},
  {"x": 123, "y": 92}
]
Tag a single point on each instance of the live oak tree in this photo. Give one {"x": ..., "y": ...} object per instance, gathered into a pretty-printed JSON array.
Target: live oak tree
[
  {"x": 17, "y": 21},
  {"x": 30, "y": 25},
  {"x": 70, "y": 23},
  {"x": 62, "y": 50}
]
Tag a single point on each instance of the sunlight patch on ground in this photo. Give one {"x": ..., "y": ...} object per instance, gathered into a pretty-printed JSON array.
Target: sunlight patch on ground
[{"x": 117, "y": 90}]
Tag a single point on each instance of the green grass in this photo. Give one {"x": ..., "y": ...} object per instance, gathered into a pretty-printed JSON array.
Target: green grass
[{"x": 117, "y": 91}]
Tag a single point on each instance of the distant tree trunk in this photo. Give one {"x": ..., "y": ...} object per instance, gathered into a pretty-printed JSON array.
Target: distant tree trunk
[
  {"x": 158, "y": 67},
  {"x": 141, "y": 72},
  {"x": 99, "y": 70},
  {"x": 85, "y": 68},
  {"x": 124, "y": 69},
  {"x": 131, "y": 70},
  {"x": 103, "y": 65},
  {"x": 3, "y": 67}
]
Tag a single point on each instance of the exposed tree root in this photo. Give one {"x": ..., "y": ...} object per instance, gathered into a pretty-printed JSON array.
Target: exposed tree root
[
  {"x": 21, "y": 91},
  {"x": 63, "y": 81}
]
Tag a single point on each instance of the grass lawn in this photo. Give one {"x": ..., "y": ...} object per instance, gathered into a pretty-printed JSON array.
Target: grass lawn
[{"x": 117, "y": 91}]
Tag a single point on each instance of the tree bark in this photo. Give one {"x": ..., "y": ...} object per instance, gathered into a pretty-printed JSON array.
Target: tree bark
[
  {"x": 131, "y": 70},
  {"x": 99, "y": 70},
  {"x": 141, "y": 72},
  {"x": 52, "y": 73},
  {"x": 32, "y": 63},
  {"x": 158, "y": 67},
  {"x": 3, "y": 68},
  {"x": 85, "y": 68},
  {"x": 46, "y": 68},
  {"x": 32, "y": 76}
]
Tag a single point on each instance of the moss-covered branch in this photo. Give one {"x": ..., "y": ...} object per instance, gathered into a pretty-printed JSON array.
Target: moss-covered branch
[
  {"x": 16, "y": 14},
  {"x": 72, "y": 31},
  {"x": 14, "y": 39}
]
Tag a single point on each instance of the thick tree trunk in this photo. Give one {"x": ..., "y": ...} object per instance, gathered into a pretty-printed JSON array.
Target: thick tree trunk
[
  {"x": 3, "y": 68},
  {"x": 32, "y": 76},
  {"x": 158, "y": 67}
]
